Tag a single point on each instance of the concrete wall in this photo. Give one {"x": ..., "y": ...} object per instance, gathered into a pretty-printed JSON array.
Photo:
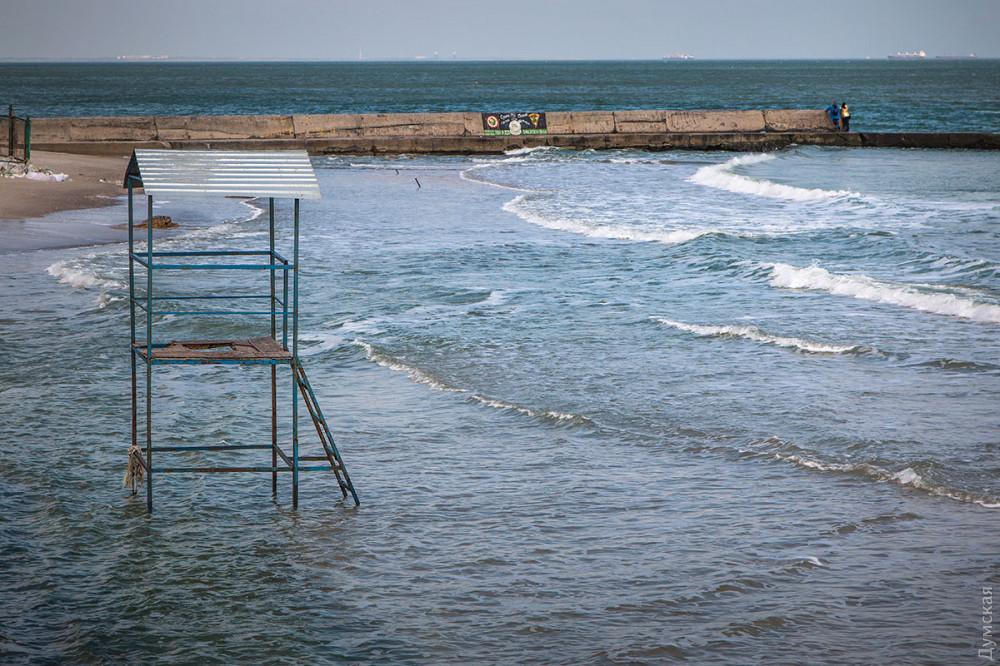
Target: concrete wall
[
  {"x": 388, "y": 133},
  {"x": 195, "y": 128}
]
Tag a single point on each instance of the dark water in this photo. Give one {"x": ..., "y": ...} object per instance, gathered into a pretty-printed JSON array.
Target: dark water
[
  {"x": 600, "y": 407},
  {"x": 937, "y": 95}
]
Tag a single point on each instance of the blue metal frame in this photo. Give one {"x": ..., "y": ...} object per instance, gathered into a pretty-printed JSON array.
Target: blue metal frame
[{"x": 282, "y": 318}]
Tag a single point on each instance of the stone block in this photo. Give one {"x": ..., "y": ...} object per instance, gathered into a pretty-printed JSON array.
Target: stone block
[
  {"x": 715, "y": 121},
  {"x": 580, "y": 122},
  {"x": 473, "y": 123},
  {"x": 175, "y": 128},
  {"x": 327, "y": 125},
  {"x": 126, "y": 128},
  {"x": 413, "y": 124},
  {"x": 796, "y": 120},
  {"x": 645, "y": 121}
]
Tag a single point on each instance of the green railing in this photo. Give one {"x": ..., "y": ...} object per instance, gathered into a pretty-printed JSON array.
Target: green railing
[{"x": 15, "y": 136}]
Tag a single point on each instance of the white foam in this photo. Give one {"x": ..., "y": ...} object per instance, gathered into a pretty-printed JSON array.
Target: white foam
[
  {"x": 905, "y": 477},
  {"x": 860, "y": 286},
  {"x": 75, "y": 276},
  {"x": 256, "y": 211},
  {"x": 722, "y": 177},
  {"x": 421, "y": 377},
  {"x": 756, "y": 335},
  {"x": 369, "y": 326},
  {"x": 321, "y": 342},
  {"x": 105, "y": 299},
  {"x": 527, "y": 151},
  {"x": 519, "y": 206},
  {"x": 467, "y": 175},
  {"x": 414, "y": 373},
  {"x": 508, "y": 406},
  {"x": 496, "y": 297},
  {"x": 398, "y": 167}
]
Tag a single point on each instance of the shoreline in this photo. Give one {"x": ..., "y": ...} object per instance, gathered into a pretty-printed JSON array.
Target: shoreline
[
  {"x": 95, "y": 166},
  {"x": 39, "y": 215}
]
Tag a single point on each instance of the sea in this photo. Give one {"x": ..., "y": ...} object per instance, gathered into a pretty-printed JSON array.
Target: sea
[{"x": 618, "y": 407}]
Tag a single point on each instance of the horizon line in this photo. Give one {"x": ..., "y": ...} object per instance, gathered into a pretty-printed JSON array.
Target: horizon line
[{"x": 147, "y": 60}]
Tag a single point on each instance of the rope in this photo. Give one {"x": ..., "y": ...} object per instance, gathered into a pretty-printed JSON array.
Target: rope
[{"x": 134, "y": 473}]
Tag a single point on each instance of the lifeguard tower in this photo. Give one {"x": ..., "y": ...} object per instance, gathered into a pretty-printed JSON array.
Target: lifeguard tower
[{"x": 265, "y": 174}]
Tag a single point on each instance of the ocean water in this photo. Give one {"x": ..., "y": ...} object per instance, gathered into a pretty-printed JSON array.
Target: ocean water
[
  {"x": 885, "y": 95},
  {"x": 610, "y": 407},
  {"x": 600, "y": 407}
]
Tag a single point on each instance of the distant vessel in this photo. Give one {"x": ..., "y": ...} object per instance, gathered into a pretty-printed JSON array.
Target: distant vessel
[
  {"x": 679, "y": 56},
  {"x": 971, "y": 56},
  {"x": 909, "y": 55},
  {"x": 143, "y": 57}
]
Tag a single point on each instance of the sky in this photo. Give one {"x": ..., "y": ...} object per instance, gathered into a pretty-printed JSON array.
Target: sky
[{"x": 478, "y": 29}]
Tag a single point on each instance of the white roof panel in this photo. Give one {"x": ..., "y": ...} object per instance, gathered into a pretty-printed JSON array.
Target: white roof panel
[{"x": 282, "y": 174}]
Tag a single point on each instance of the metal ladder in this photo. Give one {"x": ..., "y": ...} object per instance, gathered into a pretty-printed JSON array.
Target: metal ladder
[{"x": 325, "y": 436}]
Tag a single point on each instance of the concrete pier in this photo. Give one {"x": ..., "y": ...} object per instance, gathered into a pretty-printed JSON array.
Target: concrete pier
[{"x": 464, "y": 133}]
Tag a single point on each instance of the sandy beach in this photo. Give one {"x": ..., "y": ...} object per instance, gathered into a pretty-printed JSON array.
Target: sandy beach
[
  {"x": 38, "y": 214},
  {"x": 92, "y": 180}
]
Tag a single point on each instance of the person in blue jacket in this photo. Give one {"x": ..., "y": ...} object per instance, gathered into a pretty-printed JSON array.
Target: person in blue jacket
[{"x": 834, "y": 111}]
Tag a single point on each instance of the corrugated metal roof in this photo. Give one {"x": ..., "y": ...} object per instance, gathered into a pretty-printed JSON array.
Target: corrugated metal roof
[{"x": 285, "y": 174}]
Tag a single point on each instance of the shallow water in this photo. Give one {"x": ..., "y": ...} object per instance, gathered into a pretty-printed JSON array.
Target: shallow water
[{"x": 599, "y": 407}]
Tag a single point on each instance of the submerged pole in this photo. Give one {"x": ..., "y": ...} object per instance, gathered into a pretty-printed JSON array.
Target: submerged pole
[
  {"x": 295, "y": 362},
  {"x": 149, "y": 353},
  {"x": 274, "y": 368}
]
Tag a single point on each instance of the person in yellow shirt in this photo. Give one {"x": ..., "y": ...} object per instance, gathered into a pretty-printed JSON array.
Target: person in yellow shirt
[{"x": 845, "y": 117}]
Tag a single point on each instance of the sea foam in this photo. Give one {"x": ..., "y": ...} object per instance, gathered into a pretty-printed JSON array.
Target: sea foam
[
  {"x": 421, "y": 377},
  {"x": 904, "y": 477},
  {"x": 723, "y": 177},
  {"x": 756, "y": 335},
  {"x": 785, "y": 276},
  {"x": 521, "y": 206},
  {"x": 71, "y": 273}
]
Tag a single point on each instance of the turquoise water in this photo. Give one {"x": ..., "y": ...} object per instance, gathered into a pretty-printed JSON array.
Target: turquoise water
[
  {"x": 600, "y": 407},
  {"x": 932, "y": 95}
]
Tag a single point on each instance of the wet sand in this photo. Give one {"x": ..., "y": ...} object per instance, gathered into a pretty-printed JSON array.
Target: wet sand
[{"x": 94, "y": 181}]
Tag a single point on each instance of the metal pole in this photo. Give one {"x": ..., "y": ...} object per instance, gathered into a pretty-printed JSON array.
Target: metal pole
[
  {"x": 27, "y": 139},
  {"x": 274, "y": 368},
  {"x": 131, "y": 312},
  {"x": 149, "y": 353},
  {"x": 10, "y": 130},
  {"x": 295, "y": 364}
]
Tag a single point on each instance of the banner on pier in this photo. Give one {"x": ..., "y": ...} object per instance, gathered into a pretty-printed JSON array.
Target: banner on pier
[{"x": 495, "y": 124}]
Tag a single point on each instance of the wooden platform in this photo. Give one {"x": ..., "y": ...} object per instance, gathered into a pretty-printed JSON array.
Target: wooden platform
[{"x": 252, "y": 350}]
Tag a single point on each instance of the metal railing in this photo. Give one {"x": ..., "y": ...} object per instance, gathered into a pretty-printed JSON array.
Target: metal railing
[{"x": 15, "y": 136}]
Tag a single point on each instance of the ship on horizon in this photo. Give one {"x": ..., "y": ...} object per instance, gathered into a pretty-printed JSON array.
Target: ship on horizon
[
  {"x": 971, "y": 56},
  {"x": 679, "y": 56},
  {"x": 909, "y": 55}
]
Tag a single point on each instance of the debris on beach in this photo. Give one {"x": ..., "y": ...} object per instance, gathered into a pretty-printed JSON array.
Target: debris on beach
[{"x": 29, "y": 171}]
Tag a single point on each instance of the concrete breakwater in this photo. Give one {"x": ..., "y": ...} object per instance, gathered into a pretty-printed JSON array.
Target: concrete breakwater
[{"x": 378, "y": 133}]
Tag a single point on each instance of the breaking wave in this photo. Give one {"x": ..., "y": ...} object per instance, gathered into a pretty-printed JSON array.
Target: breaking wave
[
  {"x": 922, "y": 298},
  {"x": 520, "y": 206},
  {"x": 904, "y": 477},
  {"x": 527, "y": 151},
  {"x": 723, "y": 177},
  {"x": 756, "y": 335},
  {"x": 421, "y": 377},
  {"x": 77, "y": 274}
]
